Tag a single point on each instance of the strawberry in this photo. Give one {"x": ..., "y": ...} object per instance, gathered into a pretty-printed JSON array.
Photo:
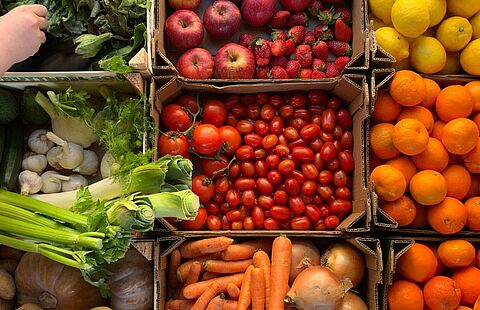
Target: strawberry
[
  {"x": 289, "y": 47},
  {"x": 297, "y": 33},
  {"x": 305, "y": 73},
  {"x": 343, "y": 32},
  {"x": 246, "y": 40},
  {"x": 314, "y": 7},
  {"x": 278, "y": 34},
  {"x": 262, "y": 72},
  {"x": 279, "y": 19},
  {"x": 277, "y": 73},
  {"x": 345, "y": 15},
  {"x": 278, "y": 48},
  {"x": 279, "y": 61},
  {"x": 332, "y": 70},
  {"x": 309, "y": 38},
  {"x": 293, "y": 69},
  {"x": 303, "y": 53},
  {"x": 323, "y": 33},
  {"x": 318, "y": 64},
  {"x": 339, "y": 48},
  {"x": 261, "y": 51},
  {"x": 316, "y": 74},
  {"x": 297, "y": 19},
  {"x": 342, "y": 61},
  {"x": 320, "y": 50},
  {"x": 328, "y": 17}
]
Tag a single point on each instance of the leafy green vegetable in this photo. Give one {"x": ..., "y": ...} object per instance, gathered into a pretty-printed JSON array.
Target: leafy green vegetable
[
  {"x": 89, "y": 45},
  {"x": 116, "y": 64}
]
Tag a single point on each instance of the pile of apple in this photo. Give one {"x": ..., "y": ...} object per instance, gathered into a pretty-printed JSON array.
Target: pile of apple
[{"x": 290, "y": 52}]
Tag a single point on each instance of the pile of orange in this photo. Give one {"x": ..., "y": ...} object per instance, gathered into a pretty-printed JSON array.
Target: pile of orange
[
  {"x": 425, "y": 153},
  {"x": 436, "y": 278}
]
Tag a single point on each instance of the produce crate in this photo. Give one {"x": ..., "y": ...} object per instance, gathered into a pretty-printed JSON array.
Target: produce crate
[
  {"x": 165, "y": 56},
  {"x": 350, "y": 88},
  {"x": 370, "y": 247}
]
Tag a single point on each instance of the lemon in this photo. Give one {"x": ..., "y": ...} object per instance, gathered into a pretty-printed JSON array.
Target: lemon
[
  {"x": 453, "y": 64},
  {"x": 437, "y": 10},
  {"x": 410, "y": 17},
  {"x": 464, "y": 8},
  {"x": 454, "y": 33},
  {"x": 392, "y": 42},
  {"x": 381, "y": 9},
  {"x": 469, "y": 58},
  {"x": 475, "y": 22},
  {"x": 402, "y": 65},
  {"x": 377, "y": 23},
  {"x": 427, "y": 55}
]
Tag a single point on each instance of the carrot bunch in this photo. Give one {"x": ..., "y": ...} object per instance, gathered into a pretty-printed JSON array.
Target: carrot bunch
[{"x": 215, "y": 274}]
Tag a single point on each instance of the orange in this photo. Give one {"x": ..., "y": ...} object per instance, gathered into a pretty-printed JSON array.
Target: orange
[
  {"x": 402, "y": 210},
  {"x": 472, "y": 159},
  {"x": 447, "y": 217},
  {"x": 473, "y": 213},
  {"x": 428, "y": 187},
  {"x": 476, "y": 119},
  {"x": 474, "y": 90},
  {"x": 453, "y": 102},
  {"x": 440, "y": 267},
  {"x": 431, "y": 92},
  {"x": 437, "y": 130},
  {"x": 474, "y": 187},
  {"x": 477, "y": 304},
  {"x": 460, "y": 136},
  {"x": 403, "y": 295},
  {"x": 435, "y": 157},
  {"x": 386, "y": 109},
  {"x": 420, "y": 114},
  {"x": 417, "y": 264},
  {"x": 420, "y": 220},
  {"x": 408, "y": 88},
  {"x": 381, "y": 142},
  {"x": 405, "y": 165},
  {"x": 467, "y": 279},
  {"x": 456, "y": 253},
  {"x": 463, "y": 308},
  {"x": 458, "y": 181},
  {"x": 442, "y": 293},
  {"x": 410, "y": 136},
  {"x": 389, "y": 182}
]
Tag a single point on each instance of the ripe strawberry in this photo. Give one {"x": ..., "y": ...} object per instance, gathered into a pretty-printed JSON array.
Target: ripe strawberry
[
  {"x": 278, "y": 48},
  {"x": 278, "y": 34},
  {"x": 328, "y": 17},
  {"x": 320, "y": 50},
  {"x": 343, "y": 32},
  {"x": 309, "y": 38},
  {"x": 279, "y": 19},
  {"x": 305, "y": 73},
  {"x": 319, "y": 65},
  {"x": 316, "y": 74},
  {"x": 279, "y": 61},
  {"x": 297, "y": 19},
  {"x": 342, "y": 61},
  {"x": 314, "y": 7},
  {"x": 289, "y": 47},
  {"x": 246, "y": 40},
  {"x": 345, "y": 15},
  {"x": 277, "y": 73},
  {"x": 332, "y": 70},
  {"x": 323, "y": 33},
  {"x": 303, "y": 53},
  {"x": 261, "y": 51},
  {"x": 339, "y": 48},
  {"x": 293, "y": 69},
  {"x": 262, "y": 72},
  {"x": 297, "y": 33}
]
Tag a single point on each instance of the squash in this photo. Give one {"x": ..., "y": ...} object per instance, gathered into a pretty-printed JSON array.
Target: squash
[
  {"x": 52, "y": 285},
  {"x": 132, "y": 282}
]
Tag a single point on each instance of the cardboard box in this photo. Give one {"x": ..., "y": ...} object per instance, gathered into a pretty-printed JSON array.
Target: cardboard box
[
  {"x": 165, "y": 57},
  {"x": 352, "y": 89},
  {"x": 370, "y": 247}
]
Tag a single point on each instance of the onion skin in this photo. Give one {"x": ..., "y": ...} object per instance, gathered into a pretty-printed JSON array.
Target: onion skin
[
  {"x": 346, "y": 262},
  {"x": 304, "y": 254},
  {"x": 353, "y": 302}
]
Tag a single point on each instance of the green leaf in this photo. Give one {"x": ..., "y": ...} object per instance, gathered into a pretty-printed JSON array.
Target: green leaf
[
  {"x": 115, "y": 64},
  {"x": 89, "y": 44}
]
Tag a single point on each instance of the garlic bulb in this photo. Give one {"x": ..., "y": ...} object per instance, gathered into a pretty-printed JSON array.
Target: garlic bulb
[
  {"x": 52, "y": 157},
  {"x": 34, "y": 162},
  {"x": 108, "y": 165},
  {"x": 89, "y": 165},
  {"x": 38, "y": 141},
  {"x": 71, "y": 155},
  {"x": 52, "y": 182},
  {"x": 30, "y": 182},
  {"x": 75, "y": 182}
]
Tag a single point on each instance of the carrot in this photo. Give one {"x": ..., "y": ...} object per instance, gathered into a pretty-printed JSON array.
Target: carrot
[
  {"x": 179, "y": 305},
  {"x": 184, "y": 269},
  {"x": 221, "y": 266},
  {"x": 246, "y": 250},
  {"x": 230, "y": 305},
  {"x": 205, "y": 246},
  {"x": 194, "y": 290},
  {"x": 261, "y": 260},
  {"x": 258, "y": 289},
  {"x": 193, "y": 276},
  {"x": 245, "y": 297},
  {"x": 216, "y": 303},
  {"x": 233, "y": 291},
  {"x": 280, "y": 270},
  {"x": 210, "y": 275},
  {"x": 174, "y": 263},
  {"x": 204, "y": 299}
]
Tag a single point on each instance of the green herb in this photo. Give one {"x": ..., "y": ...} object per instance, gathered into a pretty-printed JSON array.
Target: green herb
[{"x": 116, "y": 64}]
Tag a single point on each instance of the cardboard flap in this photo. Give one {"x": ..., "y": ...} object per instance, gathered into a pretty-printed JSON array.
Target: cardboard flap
[
  {"x": 379, "y": 78},
  {"x": 145, "y": 247},
  {"x": 380, "y": 217},
  {"x": 168, "y": 244},
  {"x": 395, "y": 249},
  {"x": 374, "y": 260},
  {"x": 379, "y": 55}
]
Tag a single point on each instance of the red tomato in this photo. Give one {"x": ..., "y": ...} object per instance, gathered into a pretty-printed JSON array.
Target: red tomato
[
  {"x": 262, "y": 98},
  {"x": 300, "y": 223},
  {"x": 276, "y": 126},
  {"x": 247, "y": 168},
  {"x": 203, "y": 187},
  {"x": 214, "y": 222},
  {"x": 341, "y": 206},
  {"x": 347, "y": 140},
  {"x": 253, "y": 140},
  {"x": 343, "y": 193},
  {"x": 234, "y": 171},
  {"x": 310, "y": 171},
  {"x": 285, "y": 166},
  {"x": 225, "y": 207},
  {"x": 253, "y": 111},
  {"x": 292, "y": 187},
  {"x": 317, "y": 97},
  {"x": 328, "y": 152},
  {"x": 325, "y": 192},
  {"x": 302, "y": 154},
  {"x": 333, "y": 165},
  {"x": 274, "y": 177},
  {"x": 239, "y": 110},
  {"x": 297, "y": 176},
  {"x": 344, "y": 119},
  {"x": 231, "y": 120},
  {"x": 320, "y": 225},
  {"x": 334, "y": 103},
  {"x": 232, "y": 198},
  {"x": 332, "y": 222},
  {"x": 340, "y": 178},
  {"x": 329, "y": 120},
  {"x": 258, "y": 217},
  {"x": 281, "y": 150},
  {"x": 317, "y": 161},
  {"x": 326, "y": 137},
  {"x": 286, "y": 111},
  {"x": 309, "y": 188},
  {"x": 188, "y": 102},
  {"x": 337, "y": 132},
  {"x": 316, "y": 144},
  {"x": 212, "y": 208},
  {"x": 280, "y": 213},
  {"x": 276, "y": 100},
  {"x": 298, "y": 143},
  {"x": 238, "y": 225},
  {"x": 310, "y": 132},
  {"x": 325, "y": 211},
  {"x": 291, "y": 133},
  {"x": 296, "y": 204},
  {"x": 298, "y": 101},
  {"x": 244, "y": 152},
  {"x": 248, "y": 223},
  {"x": 260, "y": 154},
  {"x": 231, "y": 101},
  {"x": 299, "y": 123},
  {"x": 234, "y": 215},
  {"x": 271, "y": 224},
  {"x": 244, "y": 127},
  {"x": 346, "y": 161},
  {"x": 197, "y": 223},
  {"x": 269, "y": 142},
  {"x": 264, "y": 186},
  {"x": 268, "y": 112},
  {"x": 231, "y": 139},
  {"x": 214, "y": 167},
  {"x": 248, "y": 198},
  {"x": 222, "y": 185},
  {"x": 280, "y": 197},
  {"x": 301, "y": 113},
  {"x": 174, "y": 117},
  {"x": 243, "y": 184},
  {"x": 173, "y": 143},
  {"x": 313, "y": 213},
  {"x": 206, "y": 139},
  {"x": 261, "y": 168},
  {"x": 225, "y": 223},
  {"x": 273, "y": 161},
  {"x": 261, "y": 128},
  {"x": 325, "y": 177},
  {"x": 265, "y": 202},
  {"x": 248, "y": 99}
]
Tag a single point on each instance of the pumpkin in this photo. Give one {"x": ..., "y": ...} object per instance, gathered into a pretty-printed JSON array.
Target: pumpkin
[{"x": 52, "y": 285}]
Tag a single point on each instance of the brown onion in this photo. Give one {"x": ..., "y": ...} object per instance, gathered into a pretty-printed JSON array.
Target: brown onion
[
  {"x": 353, "y": 302},
  {"x": 346, "y": 262},
  {"x": 304, "y": 254}
]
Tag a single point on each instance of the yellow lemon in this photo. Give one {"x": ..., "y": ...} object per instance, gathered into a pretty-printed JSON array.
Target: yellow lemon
[
  {"x": 410, "y": 17},
  {"x": 381, "y": 9},
  {"x": 437, "y": 9},
  {"x": 453, "y": 64},
  {"x": 470, "y": 56},
  {"x": 454, "y": 33},
  {"x": 427, "y": 55},
  {"x": 475, "y": 22},
  {"x": 392, "y": 42},
  {"x": 377, "y": 23},
  {"x": 402, "y": 65},
  {"x": 464, "y": 8}
]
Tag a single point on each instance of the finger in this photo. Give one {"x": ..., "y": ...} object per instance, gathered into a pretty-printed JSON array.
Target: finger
[
  {"x": 43, "y": 37},
  {"x": 43, "y": 23},
  {"x": 39, "y": 10}
]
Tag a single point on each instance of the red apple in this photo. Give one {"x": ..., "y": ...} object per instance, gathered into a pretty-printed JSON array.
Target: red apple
[
  {"x": 184, "y": 29},
  {"x": 234, "y": 61},
  {"x": 196, "y": 63},
  {"x": 257, "y": 13},
  {"x": 295, "y": 5},
  {"x": 222, "y": 19},
  {"x": 184, "y": 4}
]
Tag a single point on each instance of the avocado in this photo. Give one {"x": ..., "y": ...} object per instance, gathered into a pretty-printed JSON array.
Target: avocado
[
  {"x": 9, "y": 108},
  {"x": 32, "y": 112}
]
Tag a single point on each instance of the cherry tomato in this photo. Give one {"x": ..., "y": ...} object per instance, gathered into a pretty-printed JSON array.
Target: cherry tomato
[
  {"x": 234, "y": 171},
  {"x": 301, "y": 113},
  {"x": 346, "y": 161},
  {"x": 253, "y": 111},
  {"x": 320, "y": 225},
  {"x": 338, "y": 146},
  {"x": 261, "y": 168},
  {"x": 214, "y": 222},
  {"x": 258, "y": 217},
  {"x": 325, "y": 192},
  {"x": 225, "y": 223},
  {"x": 269, "y": 142},
  {"x": 299, "y": 123},
  {"x": 188, "y": 102},
  {"x": 310, "y": 132},
  {"x": 248, "y": 99},
  {"x": 231, "y": 101},
  {"x": 264, "y": 186},
  {"x": 341, "y": 206},
  {"x": 286, "y": 111},
  {"x": 212, "y": 208},
  {"x": 282, "y": 140},
  {"x": 274, "y": 177},
  {"x": 222, "y": 185},
  {"x": 347, "y": 140},
  {"x": 253, "y": 140},
  {"x": 344, "y": 119},
  {"x": 261, "y": 128},
  {"x": 333, "y": 165},
  {"x": 248, "y": 198},
  {"x": 334, "y": 103},
  {"x": 302, "y": 154},
  {"x": 248, "y": 223},
  {"x": 206, "y": 139},
  {"x": 273, "y": 161},
  {"x": 174, "y": 117},
  {"x": 328, "y": 152},
  {"x": 225, "y": 207},
  {"x": 306, "y": 199},
  {"x": 203, "y": 187},
  {"x": 232, "y": 198},
  {"x": 239, "y": 110},
  {"x": 244, "y": 152},
  {"x": 313, "y": 213},
  {"x": 300, "y": 223},
  {"x": 310, "y": 171},
  {"x": 231, "y": 120},
  {"x": 244, "y": 127},
  {"x": 325, "y": 177},
  {"x": 271, "y": 224},
  {"x": 291, "y": 133},
  {"x": 285, "y": 166},
  {"x": 317, "y": 161},
  {"x": 238, "y": 225},
  {"x": 197, "y": 223},
  {"x": 231, "y": 139},
  {"x": 337, "y": 132},
  {"x": 281, "y": 150},
  {"x": 233, "y": 215},
  {"x": 213, "y": 167},
  {"x": 214, "y": 112},
  {"x": 280, "y": 197},
  {"x": 268, "y": 112},
  {"x": 243, "y": 184},
  {"x": 247, "y": 169},
  {"x": 262, "y": 98},
  {"x": 285, "y": 225},
  {"x": 260, "y": 154},
  {"x": 280, "y": 213},
  {"x": 219, "y": 198},
  {"x": 296, "y": 204},
  {"x": 298, "y": 101},
  {"x": 309, "y": 188},
  {"x": 332, "y": 222},
  {"x": 326, "y": 137},
  {"x": 317, "y": 118},
  {"x": 317, "y": 200},
  {"x": 292, "y": 187},
  {"x": 265, "y": 202},
  {"x": 343, "y": 193},
  {"x": 173, "y": 143},
  {"x": 317, "y": 97},
  {"x": 325, "y": 211},
  {"x": 276, "y": 126},
  {"x": 298, "y": 143},
  {"x": 276, "y": 100},
  {"x": 340, "y": 178},
  {"x": 329, "y": 120}
]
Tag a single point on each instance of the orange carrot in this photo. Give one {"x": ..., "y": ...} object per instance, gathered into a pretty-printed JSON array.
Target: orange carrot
[
  {"x": 179, "y": 305},
  {"x": 280, "y": 270},
  {"x": 204, "y": 246},
  {"x": 194, "y": 290},
  {"x": 258, "y": 289},
  {"x": 230, "y": 305},
  {"x": 210, "y": 275},
  {"x": 204, "y": 299},
  {"x": 216, "y": 303},
  {"x": 193, "y": 276},
  {"x": 184, "y": 269},
  {"x": 246, "y": 250},
  {"x": 245, "y": 297},
  {"x": 175, "y": 259},
  {"x": 233, "y": 291},
  {"x": 221, "y": 266},
  {"x": 261, "y": 260}
]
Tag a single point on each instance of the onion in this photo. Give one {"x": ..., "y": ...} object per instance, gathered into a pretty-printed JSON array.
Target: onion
[
  {"x": 353, "y": 302},
  {"x": 316, "y": 288},
  {"x": 346, "y": 262},
  {"x": 304, "y": 254}
]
